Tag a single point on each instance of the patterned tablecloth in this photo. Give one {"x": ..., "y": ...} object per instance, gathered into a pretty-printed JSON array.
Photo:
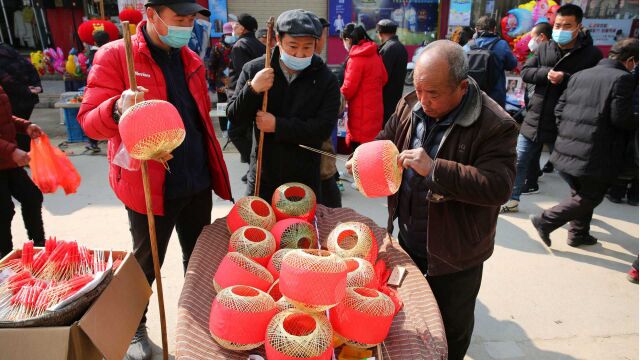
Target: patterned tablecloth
[{"x": 416, "y": 333}]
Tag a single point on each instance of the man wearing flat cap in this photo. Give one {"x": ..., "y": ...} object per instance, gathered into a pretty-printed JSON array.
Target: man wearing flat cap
[
  {"x": 165, "y": 69},
  {"x": 303, "y": 103},
  {"x": 395, "y": 57}
]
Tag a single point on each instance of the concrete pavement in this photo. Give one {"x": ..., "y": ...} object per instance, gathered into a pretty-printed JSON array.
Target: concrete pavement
[{"x": 535, "y": 303}]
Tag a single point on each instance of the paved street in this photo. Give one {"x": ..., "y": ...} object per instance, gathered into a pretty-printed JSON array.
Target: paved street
[{"x": 535, "y": 303}]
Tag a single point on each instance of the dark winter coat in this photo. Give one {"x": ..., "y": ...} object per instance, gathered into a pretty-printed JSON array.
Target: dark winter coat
[
  {"x": 16, "y": 75},
  {"x": 594, "y": 117},
  {"x": 472, "y": 177},
  {"x": 364, "y": 78},
  {"x": 244, "y": 50},
  {"x": 306, "y": 112},
  {"x": 9, "y": 126},
  {"x": 395, "y": 57},
  {"x": 540, "y": 122}
]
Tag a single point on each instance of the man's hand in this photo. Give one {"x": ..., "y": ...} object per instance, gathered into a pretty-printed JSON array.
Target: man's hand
[
  {"x": 34, "y": 131},
  {"x": 266, "y": 122},
  {"x": 130, "y": 98},
  {"x": 555, "y": 77},
  {"x": 20, "y": 157},
  {"x": 349, "y": 166},
  {"x": 263, "y": 81},
  {"x": 35, "y": 89},
  {"x": 417, "y": 159}
]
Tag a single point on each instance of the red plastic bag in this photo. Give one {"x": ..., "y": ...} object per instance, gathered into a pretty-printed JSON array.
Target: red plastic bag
[{"x": 50, "y": 168}]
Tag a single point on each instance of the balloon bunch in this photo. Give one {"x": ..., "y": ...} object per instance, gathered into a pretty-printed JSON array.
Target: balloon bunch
[
  {"x": 54, "y": 61},
  {"x": 518, "y": 22},
  {"x": 37, "y": 59},
  {"x": 76, "y": 64}
]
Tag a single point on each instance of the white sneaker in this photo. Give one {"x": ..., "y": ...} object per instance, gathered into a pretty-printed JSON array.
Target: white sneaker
[
  {"x": 225, "y": 135},
  {"x": 353, "y": 186},
  {"x": 510, "y": 206}
]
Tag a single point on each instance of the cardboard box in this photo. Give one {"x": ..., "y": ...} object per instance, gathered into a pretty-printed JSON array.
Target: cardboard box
[{"x": 105, "y": 330}]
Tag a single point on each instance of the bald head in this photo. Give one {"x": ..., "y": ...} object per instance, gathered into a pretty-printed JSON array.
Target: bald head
[
  {"x": 440, "y": 77},
  {"x": 442, "y": 57}
]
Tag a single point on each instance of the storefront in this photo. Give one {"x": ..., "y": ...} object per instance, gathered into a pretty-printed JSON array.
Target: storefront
[{"x": 22, "y": 24}]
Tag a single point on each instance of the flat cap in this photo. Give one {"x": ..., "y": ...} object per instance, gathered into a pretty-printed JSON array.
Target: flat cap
[
  {"x": 248, "y": 22},
  {"x": 386, "y": 26},
  {"x": 299, "y": 23}
]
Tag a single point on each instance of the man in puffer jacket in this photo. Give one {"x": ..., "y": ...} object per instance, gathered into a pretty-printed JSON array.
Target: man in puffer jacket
[
  {"x": 364, "y": 78},
  {"x": 14, "y": 180},
  {"x": 594, "y": 116}
]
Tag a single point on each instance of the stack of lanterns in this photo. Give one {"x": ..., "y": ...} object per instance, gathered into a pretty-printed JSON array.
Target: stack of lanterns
[{"x": 278, "y": 288}]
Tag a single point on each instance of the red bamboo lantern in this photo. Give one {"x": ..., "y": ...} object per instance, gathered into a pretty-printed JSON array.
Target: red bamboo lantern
[
  {"x": 375, "y": 168},
  {"x": 353, "y": 239},
  {"x": 293, "y": 334},
  {"x": 276, "y": 262},
  {"x": 294, "y": 200},
  {"x": 151, "y": 129},
  {"x": 251, "y": 210},
  {"x": 237, "y": 269},
  {"x": 363, "y": 318},
  {"x": 295, "y": 234},
  {"x": 360, "y": 273},
  {"x": 253, "y": 242},
  {"x": 240, "y": 316},
  {"x": 313, "y": 280},
  {"x": 133, "y": 16}
]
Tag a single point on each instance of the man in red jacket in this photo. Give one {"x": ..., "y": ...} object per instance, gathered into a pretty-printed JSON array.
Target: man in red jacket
[
  {"x": 165, "y": 69},
  {"x": 14, "y": 181}
]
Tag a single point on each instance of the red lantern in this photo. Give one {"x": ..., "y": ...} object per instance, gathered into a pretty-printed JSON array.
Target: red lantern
[
  {"x": 87, "y": 28},
  {"x": 253, "y": 242},
  {"x": 151, "y": 129},
  {"x": 375, "y": 168},
  {"x": 363, "y": 318},
  {"x": 353, "y": 239},
  {"x": 295, "y": 234},
  {"x": 294, "y": 200},
  {"x": 276, "y": 262},
  {"x": 313, "y": 280},
  {"x": 240, "y": 316},
  {"x": 133, "y": 16},
  {"x": 237, "y": 269},
  {"x": 293, "y": 334},
  {"x": 251, "y": 210},
  {"x": 360, "y": 273}
]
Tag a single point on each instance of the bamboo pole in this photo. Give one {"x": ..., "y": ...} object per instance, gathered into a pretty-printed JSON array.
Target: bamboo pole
[
  {"x": 126, "y": 34},
  {"x": 265, "y": 100}
]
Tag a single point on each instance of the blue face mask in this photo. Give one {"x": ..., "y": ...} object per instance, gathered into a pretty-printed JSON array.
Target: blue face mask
[
  {"x": 230, "y": 39},
  {"x": 295, "y": 63},
  {"x": 177, "y": 36},
  {"x": 562, "y": 37}
]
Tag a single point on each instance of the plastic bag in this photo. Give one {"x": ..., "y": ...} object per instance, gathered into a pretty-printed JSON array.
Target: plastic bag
[
  {"x": 50, "y": 168},
  {"x": 124, "y": 160}
]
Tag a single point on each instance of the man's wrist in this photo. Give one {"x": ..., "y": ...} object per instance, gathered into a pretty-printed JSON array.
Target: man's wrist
[
  {"x": 251, "y": 88},
  {"x": 116, "y": 113}
]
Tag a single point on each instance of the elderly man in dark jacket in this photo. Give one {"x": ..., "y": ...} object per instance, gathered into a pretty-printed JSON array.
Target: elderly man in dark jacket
[
  {"x": 593, "y": 115},
  {"x": 303, "y": 103},
  {"x": 246, "y": 48},
  {"x": 458, "y": 148},
  {"x": 395, "y": 57},
  {"x": 549, "y": 70}
]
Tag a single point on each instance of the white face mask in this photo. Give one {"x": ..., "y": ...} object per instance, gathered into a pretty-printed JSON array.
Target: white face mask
[{"x": 533, "y": 45}]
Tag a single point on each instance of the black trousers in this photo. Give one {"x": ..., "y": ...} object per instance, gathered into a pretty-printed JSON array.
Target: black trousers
[
  {"x": 187, "y": 215},
  {"x": 16, "y": 183},
  {"x": 224, "y": 122},
  {"x": 329, "y": 194},
  {"x": 242, "y": 138},
  {"x": 577, "y": 209},
  {"x": 23, "y": 140},
  {"x": 456, "y": 296}
]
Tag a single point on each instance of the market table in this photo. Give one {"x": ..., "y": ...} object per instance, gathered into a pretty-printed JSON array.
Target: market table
[{"x": 416, "y": 333}]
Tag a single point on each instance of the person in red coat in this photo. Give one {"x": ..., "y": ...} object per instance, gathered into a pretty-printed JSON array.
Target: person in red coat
[
  {"x": 165, "y": 69},
  {"x": 14, "y": 180},
  {"x": 364, "y": 78}
]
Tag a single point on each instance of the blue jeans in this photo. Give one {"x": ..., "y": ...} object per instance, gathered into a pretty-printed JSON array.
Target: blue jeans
[{"x": 526, "y": 150}]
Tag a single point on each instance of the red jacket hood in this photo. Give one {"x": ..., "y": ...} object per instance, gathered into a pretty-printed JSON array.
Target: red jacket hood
[{"x": 364, "y": 49}]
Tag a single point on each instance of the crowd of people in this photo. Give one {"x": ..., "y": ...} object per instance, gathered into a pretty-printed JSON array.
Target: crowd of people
[{"x": 466, "y": 159}]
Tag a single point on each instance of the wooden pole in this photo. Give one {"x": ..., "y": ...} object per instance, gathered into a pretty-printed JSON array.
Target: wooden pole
[
  {"x": 126, "y": 34},
  {"x": 265, "y": 101},
  {"x": 102, "y": 10}
]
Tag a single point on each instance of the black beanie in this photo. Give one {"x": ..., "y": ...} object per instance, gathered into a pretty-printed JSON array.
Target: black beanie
[{"x": 248, "y": 22}]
